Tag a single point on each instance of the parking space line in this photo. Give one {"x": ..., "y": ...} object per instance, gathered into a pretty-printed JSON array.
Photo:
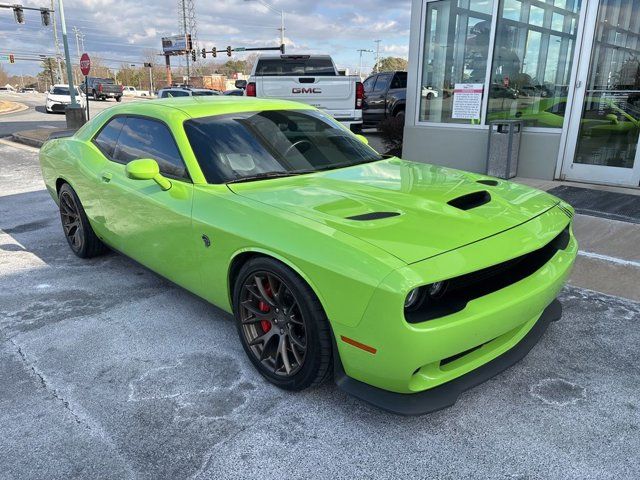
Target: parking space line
[{"x": 607, "y": 258}]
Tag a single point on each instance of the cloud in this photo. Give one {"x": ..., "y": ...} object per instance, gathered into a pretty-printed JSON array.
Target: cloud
[{"x": 126, "y": 31}]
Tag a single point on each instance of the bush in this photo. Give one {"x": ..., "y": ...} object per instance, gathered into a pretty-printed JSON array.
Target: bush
[{"x": 392, "y": 132}]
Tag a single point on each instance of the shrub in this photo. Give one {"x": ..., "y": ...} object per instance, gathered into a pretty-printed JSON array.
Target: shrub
[{"x": 392, "y": 132}]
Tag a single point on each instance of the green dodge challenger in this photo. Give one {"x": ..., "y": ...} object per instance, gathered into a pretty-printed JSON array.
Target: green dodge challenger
[{"x": 407, "y": 282}]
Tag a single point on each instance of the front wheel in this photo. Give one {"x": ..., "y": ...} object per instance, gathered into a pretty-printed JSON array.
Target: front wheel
[
  {"x": 282, "y": 325},
  {"x": 118, "y": 99},
  {"x": 77, "y": 230}
]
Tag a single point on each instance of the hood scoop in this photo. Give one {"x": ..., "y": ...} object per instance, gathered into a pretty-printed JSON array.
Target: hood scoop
[
  {"x": 373, "y": 216},
  {"x": 489, "y": 182},
  {"x": 471, "y": 200}
]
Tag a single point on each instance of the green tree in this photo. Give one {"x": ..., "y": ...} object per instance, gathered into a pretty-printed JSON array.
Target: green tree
[{"x": 391, "y": 64}]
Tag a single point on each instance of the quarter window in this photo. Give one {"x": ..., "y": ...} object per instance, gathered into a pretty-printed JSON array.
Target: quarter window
[
  {"x": 145, "y": 138},
  {"x": 399, "y": 80},
  {"x": 108, "y": 137}
]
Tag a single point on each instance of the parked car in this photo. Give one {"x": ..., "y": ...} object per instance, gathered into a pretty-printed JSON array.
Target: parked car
[
  {"x": 409, "y": 282},
  {"x": 130, "y": 91},
  {"x": 429, "y": 92},
  {"x": 103, "y": 88},
  {"x": 59, "y": 97},
  {"x": 28, "y": 90},
  {"x": 186, "y": 92},
  {"x": 385, "y": 96},
  {"x": 238, "y": 92},
  {"x": 500, "y": 91},
  {"x": 311, "y": 79}
]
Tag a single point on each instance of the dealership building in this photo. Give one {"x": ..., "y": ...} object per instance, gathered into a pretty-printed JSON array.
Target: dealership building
[{"x": 568, "y": 69}]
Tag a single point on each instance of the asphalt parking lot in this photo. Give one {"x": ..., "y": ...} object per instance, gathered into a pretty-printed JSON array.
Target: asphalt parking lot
[{"x": 109, "y": 371}]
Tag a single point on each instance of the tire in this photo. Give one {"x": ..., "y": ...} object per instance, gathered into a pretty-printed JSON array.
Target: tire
[
  {"x": 76, "y": 227},
  {"x": 94, "y": 95},
  {"x": 118, "y": 99},
  {"x": 273, "y": 328},
  {"x": 399, "y": 114},
  {"x": 429, "y": 96}
]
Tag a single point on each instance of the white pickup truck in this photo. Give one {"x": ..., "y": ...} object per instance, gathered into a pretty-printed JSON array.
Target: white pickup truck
[{"x": 311, "y": 79}]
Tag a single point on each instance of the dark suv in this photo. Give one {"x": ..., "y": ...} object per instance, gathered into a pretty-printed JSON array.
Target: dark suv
[{"x": 385, "y": 96}]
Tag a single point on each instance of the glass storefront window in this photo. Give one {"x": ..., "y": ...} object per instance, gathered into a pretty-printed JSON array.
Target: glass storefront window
[
  {"x": 532, "y": 60},
  {"x": 456, "y": 46}
]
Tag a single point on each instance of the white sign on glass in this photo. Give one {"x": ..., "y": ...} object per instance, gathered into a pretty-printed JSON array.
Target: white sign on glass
[{"x": 467, "y": 101}]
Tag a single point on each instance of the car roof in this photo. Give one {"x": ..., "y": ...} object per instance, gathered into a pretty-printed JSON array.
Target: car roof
[{"x": 198, "y": 107}]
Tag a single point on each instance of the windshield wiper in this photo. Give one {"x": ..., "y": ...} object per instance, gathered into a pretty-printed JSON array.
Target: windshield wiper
[{"x": 263, "y": 176}]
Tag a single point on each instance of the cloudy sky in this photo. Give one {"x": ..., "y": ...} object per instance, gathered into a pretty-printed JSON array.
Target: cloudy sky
[{"x": 126, "y": 31}]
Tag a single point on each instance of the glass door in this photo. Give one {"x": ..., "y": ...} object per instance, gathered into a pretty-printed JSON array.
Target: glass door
[{"x": 604, "y": 127}]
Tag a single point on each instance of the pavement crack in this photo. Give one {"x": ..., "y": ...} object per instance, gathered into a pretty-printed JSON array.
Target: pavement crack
[{"x": 50, "y": 390}]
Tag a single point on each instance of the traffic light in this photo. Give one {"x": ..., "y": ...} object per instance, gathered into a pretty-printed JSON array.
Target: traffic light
[
  {"x": 12, "y": 59},
  {"x": 204, "y": 53},
  {"x": 214, "y": 52},
  {"x": 194, "y": 57},
  {"x": 18, "y": 13},
  {"x": 45, "y": 16},
  {"x": 228, "y": 51}
]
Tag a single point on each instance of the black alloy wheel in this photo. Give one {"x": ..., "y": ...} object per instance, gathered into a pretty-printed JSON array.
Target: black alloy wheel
[
  {"x": 75, "y": 225},
  {"x": 282, "y": 325}
]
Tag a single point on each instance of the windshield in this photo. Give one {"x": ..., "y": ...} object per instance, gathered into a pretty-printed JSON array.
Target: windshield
[
  {"x": 203, "y": 93},
  {"x": 248, "y": 144},
  {"x": 60, "y": 91}
]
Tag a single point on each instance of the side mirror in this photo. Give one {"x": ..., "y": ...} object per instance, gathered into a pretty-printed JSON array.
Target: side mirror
[
  {"x": 241, "y": 84},
  {"x": 363, "y": 139},
  {"x": 613, "y": 118},
  {"x": 146, "y": 169}
]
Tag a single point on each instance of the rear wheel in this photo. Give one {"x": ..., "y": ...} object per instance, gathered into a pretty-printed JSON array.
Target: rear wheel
[
  {"x": 77, "y": 230},
  {"x": 282, "y": 325}
]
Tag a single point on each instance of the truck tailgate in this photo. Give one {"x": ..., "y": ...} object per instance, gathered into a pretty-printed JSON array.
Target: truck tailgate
[{"x": 327, "y": 93}]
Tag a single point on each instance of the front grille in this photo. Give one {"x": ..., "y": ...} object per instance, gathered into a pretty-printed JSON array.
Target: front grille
[
  {"x": 57, "y": 107},
  {"x": 461, "y": 290}
]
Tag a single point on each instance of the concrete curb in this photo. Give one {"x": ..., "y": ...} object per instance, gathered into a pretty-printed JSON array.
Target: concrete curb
[
  {"x": 7, "y": 107},
  {"x": 37, "y": 137}
]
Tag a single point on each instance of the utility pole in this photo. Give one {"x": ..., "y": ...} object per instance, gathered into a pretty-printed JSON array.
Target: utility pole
[
  {"x": 188, "y": 27},
  {"x": 377, "y": 42},
  {"x": 67, "y": 57},
  {"x": 362, "y": 50},
  {"x": 57, "y": 45},
  {"x": 274, "y": 9}
]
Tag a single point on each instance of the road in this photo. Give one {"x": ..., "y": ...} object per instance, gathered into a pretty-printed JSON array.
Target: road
[
  {"x": 36, "y": 116},
  {"x": 109, "y": 371}
]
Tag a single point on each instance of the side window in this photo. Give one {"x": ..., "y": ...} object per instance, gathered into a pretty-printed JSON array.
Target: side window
[
  {"x": 382, "y": 83},
  {"x": 369, "y": 83},
  {"x": 145, "y": 138},
  {"x": 399, "y": 80},
  {"x": 174, "y": 93},
  {"x": 108, "y": 137}
]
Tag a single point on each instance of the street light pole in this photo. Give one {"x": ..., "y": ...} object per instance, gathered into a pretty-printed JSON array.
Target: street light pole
[
  {"x": 362, "y": 50},
  {"x": 377, "y": 42},
  {"x": 67, "y": 57}
]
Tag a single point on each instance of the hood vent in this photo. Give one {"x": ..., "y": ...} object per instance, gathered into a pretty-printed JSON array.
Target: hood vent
[
  {"x": 471, "y": 200},
  {"x": 491, "y": 183},
  {"x": 373, "y": 216}
]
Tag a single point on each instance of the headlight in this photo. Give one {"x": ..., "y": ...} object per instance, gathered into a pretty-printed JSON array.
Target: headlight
[{"x": 416, "y": 297}]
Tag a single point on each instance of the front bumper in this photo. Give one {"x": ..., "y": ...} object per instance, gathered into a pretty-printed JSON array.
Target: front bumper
[
  {"x": 415, "y": 357},
  {"x": 446, "y": 395}
]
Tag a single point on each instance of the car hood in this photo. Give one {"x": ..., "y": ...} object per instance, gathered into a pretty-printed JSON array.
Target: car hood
[{"x": 411, "y": 210}]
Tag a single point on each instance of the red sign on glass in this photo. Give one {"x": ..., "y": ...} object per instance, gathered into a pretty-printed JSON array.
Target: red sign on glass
[{"x": 85, "y": 64}]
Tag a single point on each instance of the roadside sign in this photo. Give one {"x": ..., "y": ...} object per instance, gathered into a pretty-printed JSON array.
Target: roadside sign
[
  {"x": 174, "y": 44},
  {"x": 240, "y": 49},
  {"x": 85, "y": 64}
]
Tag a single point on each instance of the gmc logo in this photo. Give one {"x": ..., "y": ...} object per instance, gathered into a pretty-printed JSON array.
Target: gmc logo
[{"x": 298, "y": 90}]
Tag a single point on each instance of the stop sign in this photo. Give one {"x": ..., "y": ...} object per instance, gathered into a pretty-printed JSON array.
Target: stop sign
[{"x": 85, "y": 64}]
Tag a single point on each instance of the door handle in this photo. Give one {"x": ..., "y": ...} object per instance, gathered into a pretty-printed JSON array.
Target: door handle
[{"x": 106, "y": 177}]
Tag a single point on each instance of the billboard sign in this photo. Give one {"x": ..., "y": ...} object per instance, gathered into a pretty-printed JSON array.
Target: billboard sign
[{"x": 174, "y": 44}]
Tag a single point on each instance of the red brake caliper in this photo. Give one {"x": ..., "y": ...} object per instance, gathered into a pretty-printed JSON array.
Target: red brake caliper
[{"x": 264, "y": 307}]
